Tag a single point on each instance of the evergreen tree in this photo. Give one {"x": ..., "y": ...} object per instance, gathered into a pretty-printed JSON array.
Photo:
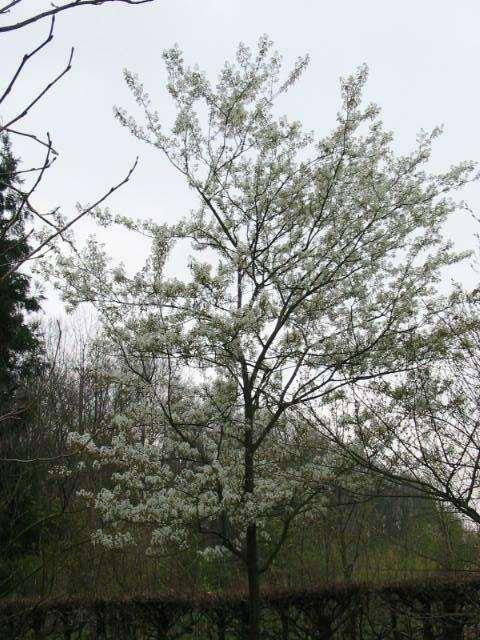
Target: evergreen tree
[
  {"x": 19, "y": 359},
  {"x": 17, "y": 337}
]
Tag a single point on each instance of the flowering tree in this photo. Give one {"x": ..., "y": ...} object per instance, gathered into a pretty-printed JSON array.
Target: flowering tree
[
  {"x": 421, "y": 428},
  {"x": 320, "y": 259}
]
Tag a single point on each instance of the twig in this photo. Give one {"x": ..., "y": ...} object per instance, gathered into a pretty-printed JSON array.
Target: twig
[
  {"x": 54, "y": 10},
  {"x": 41, "y": 94},
  {"x": 26, "y": 58},
  {"x": 32, "y": 137},
  {"x": 57, "y": 233}
]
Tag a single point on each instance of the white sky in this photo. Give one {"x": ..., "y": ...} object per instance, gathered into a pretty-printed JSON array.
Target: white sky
[{"x": 423, "y": 57}]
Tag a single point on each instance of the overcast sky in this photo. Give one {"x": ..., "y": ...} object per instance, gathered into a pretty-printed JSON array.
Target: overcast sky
[{"x": 423, "y": 57}]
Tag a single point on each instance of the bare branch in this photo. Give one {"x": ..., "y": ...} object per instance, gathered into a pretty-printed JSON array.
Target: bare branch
[
  {"x": 82, "y": 213},
  {"x": 32, "y": 137},
  {"x": 41, "y": 94},
  {"x": 57, "y": 9},
  {"x": 26, "y": 58}
]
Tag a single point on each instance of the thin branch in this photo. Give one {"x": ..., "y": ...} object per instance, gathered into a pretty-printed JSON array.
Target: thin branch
[
  {"x": 61, "y": 456},
  {"x": 82, "y": 213},
  {"x": 26, "y": 58},
  {"x": 7, "y": 7},
  {"x": 31, "y": 136},
  {"x": 41, "y": 94},
  {"x": 57, "y": 9}
]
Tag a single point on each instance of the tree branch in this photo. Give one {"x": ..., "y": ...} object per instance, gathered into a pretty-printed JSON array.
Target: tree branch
[
  {"x": 57, "y": 9},
  {"x": 82, "y": 213}
]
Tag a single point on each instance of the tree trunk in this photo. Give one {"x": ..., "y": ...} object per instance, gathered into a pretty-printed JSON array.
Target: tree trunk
[
  {"x": 253, "y": 584},
  {"x": 253, "y": 571}
]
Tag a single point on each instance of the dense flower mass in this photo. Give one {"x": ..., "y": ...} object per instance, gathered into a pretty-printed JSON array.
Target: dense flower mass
[{"x": 172, "y": 483}]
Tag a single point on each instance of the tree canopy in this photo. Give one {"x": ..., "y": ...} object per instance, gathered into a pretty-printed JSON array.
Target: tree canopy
[{"x": 320, "y": 264}]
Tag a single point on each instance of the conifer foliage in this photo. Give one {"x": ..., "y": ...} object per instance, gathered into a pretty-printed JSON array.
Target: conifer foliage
[
  {"x": 17, "y": 337},
  {"x": 19, "y": 359}
]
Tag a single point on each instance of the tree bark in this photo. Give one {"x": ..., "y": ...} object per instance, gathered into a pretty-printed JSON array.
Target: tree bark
[
  {"x": 253, "y": 570},
  {"x": 253, "y": 584}
]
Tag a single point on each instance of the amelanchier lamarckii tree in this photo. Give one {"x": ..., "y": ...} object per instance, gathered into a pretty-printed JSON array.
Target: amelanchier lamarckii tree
[{"x": 319, "y": 267}]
